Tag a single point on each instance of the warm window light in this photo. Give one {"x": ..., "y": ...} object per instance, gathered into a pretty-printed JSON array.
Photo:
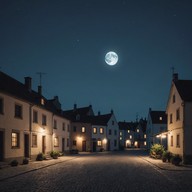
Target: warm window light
[
  {"x": 42, "y": 101},
  {"x": 128, "y": 141},
  {"x": 83, "y": 129},
  {"x": 128, "y": 131},
  {"x": 130, "y": 136},
  {"x": 120, "y": 138},
  {"x": 145, "y": 136},
  {"x": 99, "y": 143},
  {"x": 145, "y": 143},
  {"x": 137, "y": 130},
  {"x": 79, "y": 138},
  {"x": 120, "y": 133},
  {"x": 105, "y": 141},
  {"x": 160, "y": 118},
  {"x": 163, "y": 136}
]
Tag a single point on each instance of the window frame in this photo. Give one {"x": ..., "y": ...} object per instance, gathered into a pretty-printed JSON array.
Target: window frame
[
  {"x": 34, "y": 141},
  {"x": 44, "y": 120},
  {"x": 94, "y": 130},
  {"x": 35, "y": 116},
  {"x": 56, "y": 141},
  {"x": 17, "y": 133},
  {"x": 18, "y": 111}
]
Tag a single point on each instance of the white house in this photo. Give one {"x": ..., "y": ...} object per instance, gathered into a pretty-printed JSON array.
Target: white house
[
  {"x": 179, "y": 112},
  {"x": 156, "y": 126}
]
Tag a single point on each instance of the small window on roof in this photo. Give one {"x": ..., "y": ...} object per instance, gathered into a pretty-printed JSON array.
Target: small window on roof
[{"x": 160, "y": 118}]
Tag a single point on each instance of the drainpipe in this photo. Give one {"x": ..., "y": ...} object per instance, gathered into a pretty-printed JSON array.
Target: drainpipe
[{"x": 30, "y": 128}]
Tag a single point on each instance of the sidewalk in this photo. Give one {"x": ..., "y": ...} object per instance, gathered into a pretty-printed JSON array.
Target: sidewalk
[
  {"x": 10, "y": 172},
  {"x": 167, "y": 166}
]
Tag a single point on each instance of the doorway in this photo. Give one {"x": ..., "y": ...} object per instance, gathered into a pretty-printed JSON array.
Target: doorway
[
  {"x": 26, "y": 145},
  {"x": 83, "y": 145},
  {"x": 1, "y": 145},
  {"x": 43, "y": 144},
  {"x": 94, "y": 146},
  {"x": 109, "y": 145},
  {"x": 63, "y": 144}
]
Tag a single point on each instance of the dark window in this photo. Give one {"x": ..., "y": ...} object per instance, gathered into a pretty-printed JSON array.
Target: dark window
[
  {"x": 63, "y": 126},
  {"x": 68, "y": 127},
  {"x": 113, "y": 122},
  {"x": 1, "y": 106},
  {"x": 18, "y": 111},
  {"x": 109, "y": 131},
  {"x": 178, "y": 114},
  {"x": 171, "y": 118},
  {"x": 115, "y": 132},
  {"x": 44, "y": 120},
  {"x": 115, "y": 143},
  {"x": 55, "y": 124},
  {"x": 172, "y": 140},
  {"x": 74, "y": 128},
  {"x": 178, "y": 141},
  {"x": 35, "y": 116},
  {"x": 74, "y": 142},
  {"x": 34, "y": 140}
]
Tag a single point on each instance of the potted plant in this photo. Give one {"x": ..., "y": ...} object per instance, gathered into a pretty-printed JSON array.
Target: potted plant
[
  {"x": 25, "y": 161},
  {"x": 14, "y": 163},
  {"x": 40, "y": 157},
  {"x": 54, "y": 154},
  {"x": 176, "y": 160}
]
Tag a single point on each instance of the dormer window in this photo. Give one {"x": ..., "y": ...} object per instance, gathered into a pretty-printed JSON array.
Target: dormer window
[
  {"x": 78, "y": 117},
  {"x": 42, "y": 101},
  {"x": 160, "y": 118}
]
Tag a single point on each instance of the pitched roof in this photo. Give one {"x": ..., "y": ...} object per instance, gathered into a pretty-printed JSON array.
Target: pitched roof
[
  {"x": 184, "y": 88},
  {"x": 158, "y": 117},
  {"x": 100, "y": 119},
  {"x": 127, "y": 125},
  {"x": 79, "y": 114}
]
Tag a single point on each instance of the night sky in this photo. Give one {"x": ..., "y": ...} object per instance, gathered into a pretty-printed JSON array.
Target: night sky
[{"x": 68, "y": 39}]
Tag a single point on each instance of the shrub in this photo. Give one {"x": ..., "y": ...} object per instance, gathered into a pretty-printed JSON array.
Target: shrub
[
  {"x": 176, "y": 160},
  {"x": 40, "y": 157},
  {"x": 54, "y": 154},
  {"x": 156, "y": 151},
  {"x": 25, "y": 161},
  {"x": 166, "y": 156},
  {"x": 14, "y": 163}
]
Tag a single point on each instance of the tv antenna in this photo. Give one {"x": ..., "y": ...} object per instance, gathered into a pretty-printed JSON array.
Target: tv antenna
[{"x": 40, "y": 77}]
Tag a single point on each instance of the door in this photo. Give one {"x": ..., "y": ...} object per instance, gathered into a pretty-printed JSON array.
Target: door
[
  {"x": 43, "y": 144},
  {"x": 63, "y": 144},
  {"x": 26, "y": 145},
  {"x": 1, "y": 145},
  {"x": 109, "y": 145},
  {"x": 83, "y": 145},
  {"x": 94, "y": 146}
]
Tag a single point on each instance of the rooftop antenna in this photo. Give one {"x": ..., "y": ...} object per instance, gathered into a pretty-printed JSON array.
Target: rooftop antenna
[{"x": 40, "y": 77}]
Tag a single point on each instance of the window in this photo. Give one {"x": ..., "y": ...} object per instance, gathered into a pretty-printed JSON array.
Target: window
[
  {"x": 1, "y": 106},
  {"x": 120, "y": 133},
  {"x": 120, "y": 138},
  {"x": 101, "y": 130},
  {"x": 55, "y": 124},
  {"x": 130, "y": 136},
  {"x": 115, "y": 143},
  {"x": 83, "y": 129},
  {"x": 128, "y": 131},
  {"x": 170, "y": 119},
  {"x": 74, "y": 142},
  {"x": 95, "y": 130},
  {"x": 113, "y": 122},
  {"x": 172, "y": 140},
  {"x": 63, "y": 126},
  {"x": 35, "y": 116},
  {"x": 56, "y": 142},
  {"x": 74, "y": 128},
  {"x": 137, "y": 130},
  {"x": 145, "y": 143},
  {"x": 173, "y": 98},
  {"x": 178, "y": 141},
  {"x": 99, "y": 143},
  {"x": 177, "y": 114},
  {"x": 18, "y": 111},
  {"x": 160, "y": 118},
  {"x": 115, "y": 132},
  {"x": 15, "y": 139},
  {"x": 44, "y": 120},
  {"x": 145, "y": 136},
  {"x": 42, "y": 101},
  {"x": 34, "y": 140},
  {"x": 109, "y": 131}
]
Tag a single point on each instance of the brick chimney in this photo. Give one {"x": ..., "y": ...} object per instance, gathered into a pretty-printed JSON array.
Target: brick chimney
[
  {"x": 40, "y": 90},
  {"x": 175, "y": 77},
  {"x": 28, "y": 83}
]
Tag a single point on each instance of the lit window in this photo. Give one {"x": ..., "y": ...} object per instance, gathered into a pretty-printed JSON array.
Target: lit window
[
  {"x": 178, "y": 114},
  {"x": 178, "y": 141},
  {"x": 15, "y": 139},
  {"x": 145, "y": 136},
  {"x": 137, "y": 130},
  {"x": 120, "y": 133},
  {"x": 94, "y": 130},
  {"x": 44, "y": 120},
  {"x": 128, "y": 131},
  {"x": 160, "y": 118},
  {"x": 42, "y": 101},
  {"x": 56, "y": 142},
  {"x": 83, "y": 129},
  {"x": 1, "y": 106},
  {"x": 130, "y": 136},
  {"x": 145, "y": 143},
  {"x": 99, "y": 143},
  {"x": 101, "y": 130},
  {"x": 35, "y": 116},
  {"x": 120, "y": 138},
  {"x": 18, "y": 111},
  {"x": 34, "y": 140}
]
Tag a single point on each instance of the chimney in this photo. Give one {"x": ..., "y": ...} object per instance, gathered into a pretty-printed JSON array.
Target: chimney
[
  {"x": 75, "y": 106},
  {"x": 99, "y": 113},
  {"x": 28, "y": 83},
  {"x": 111, "y": 111},
  {"x": 40, "y": 90},
  {"x": 175, "y": 77}
]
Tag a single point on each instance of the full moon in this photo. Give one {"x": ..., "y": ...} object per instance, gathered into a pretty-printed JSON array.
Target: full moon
[{"x": 111, "y": 58}]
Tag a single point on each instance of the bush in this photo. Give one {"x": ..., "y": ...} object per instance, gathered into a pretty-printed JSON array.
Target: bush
[
  {"x": 14, "y": 163},
  {"x": 54, "y": 154},
  {"x": 166, "y": 156},
  {"x": 156, "y": 151},
  {"x": 40, "y": 157},
  {"x": 25, "y": 161},
  {"x": 176, "y": 160}
]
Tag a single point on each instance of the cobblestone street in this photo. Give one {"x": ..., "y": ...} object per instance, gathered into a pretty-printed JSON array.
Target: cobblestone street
[{"x": 116, "y": 171}]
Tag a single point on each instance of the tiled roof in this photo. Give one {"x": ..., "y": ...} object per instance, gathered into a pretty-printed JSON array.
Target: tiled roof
[
  {"x": 184, "y": 88},
  {"x": 158, "y": 117},
  {"x": 127, "y": 125},
  {"x": 100, "y": 119}
]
